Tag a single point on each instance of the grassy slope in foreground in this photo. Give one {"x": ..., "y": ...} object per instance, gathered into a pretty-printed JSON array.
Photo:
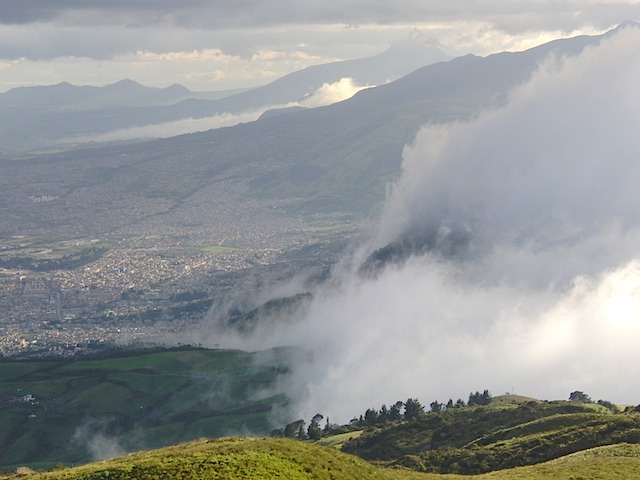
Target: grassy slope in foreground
[{"x": 247, "y": 458}]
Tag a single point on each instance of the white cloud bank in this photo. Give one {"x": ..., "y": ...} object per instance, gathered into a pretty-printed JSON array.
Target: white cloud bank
[
  {"x": 543, "y": 299},
  {"x": 329, "y": 93}
]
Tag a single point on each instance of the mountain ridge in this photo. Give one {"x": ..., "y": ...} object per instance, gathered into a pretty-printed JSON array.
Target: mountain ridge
[{"x": 64, "y": 111}]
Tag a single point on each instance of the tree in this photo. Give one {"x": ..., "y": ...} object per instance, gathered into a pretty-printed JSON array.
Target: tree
[
  {"x": 301, "y": 435},
  {"x": 370, "y": 416},
  {"x": 478, "y": 398},
  {"x": 383, "y": 416},
  {"x": 314, "y": 431},
  {"x": 607, "y": 404},
  {"x": 327, "y": 427},
  {"x": 436, "y": 407},
  {"x": 412, "y": 409},
  {"x": 277, "y": 432},
  {"x": 579, "y": 397},
  {"x": 395, "y": 412},
  {"x": 486, "y": 397},
  {"x": 291, "y": 429}
]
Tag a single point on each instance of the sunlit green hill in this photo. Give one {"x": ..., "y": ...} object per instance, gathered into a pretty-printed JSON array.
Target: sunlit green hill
[
  {"x": 480, "y": 439},
  {"x": 252, "y": 458}
]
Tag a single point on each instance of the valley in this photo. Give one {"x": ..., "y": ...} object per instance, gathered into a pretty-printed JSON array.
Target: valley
[{"x": 469, "y": 221}]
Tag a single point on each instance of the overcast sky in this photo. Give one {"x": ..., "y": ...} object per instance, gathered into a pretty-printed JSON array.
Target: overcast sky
[{"x": 224, "y": 44}]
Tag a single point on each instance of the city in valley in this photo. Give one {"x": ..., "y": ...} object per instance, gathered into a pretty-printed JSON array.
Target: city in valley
[{"x": 82, "y": 270}]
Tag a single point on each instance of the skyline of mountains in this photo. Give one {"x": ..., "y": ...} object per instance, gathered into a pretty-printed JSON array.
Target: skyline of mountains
[
  {"x": 43, "y": 116},
  {"x": 339, "y": 157}
]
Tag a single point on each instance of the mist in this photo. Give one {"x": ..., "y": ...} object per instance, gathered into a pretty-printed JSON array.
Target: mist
[
  {"x": 521, "y": 271},
  {"x": 93, "y": 435},
  {"x": 326, "y": 94},
  {"x": 330, "y": 93}
]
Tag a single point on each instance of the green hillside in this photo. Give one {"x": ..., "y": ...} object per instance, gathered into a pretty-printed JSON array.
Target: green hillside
[
  {"x": 77, "y": 410},
  {"x": 251, "y": 458},
  {"x": 479, "y": 439},
  {"x": 74, "y": 411}
]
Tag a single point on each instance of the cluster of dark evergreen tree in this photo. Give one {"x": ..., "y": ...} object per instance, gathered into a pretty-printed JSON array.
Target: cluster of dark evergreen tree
[
  {"x": 408, "y": 410},
  {"x": 412, "y": 409},
  {"x": 297, "y": 429}
]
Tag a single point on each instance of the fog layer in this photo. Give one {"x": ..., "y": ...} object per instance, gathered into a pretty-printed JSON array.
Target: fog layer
[
  {"x": 527, "y": 278},
  {"x": 326, "y": 94}
]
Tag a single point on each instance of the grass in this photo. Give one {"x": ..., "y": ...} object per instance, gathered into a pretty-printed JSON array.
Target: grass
[
  {"x": 611, "y": 462},
  {"x": 511, "y": 399},
  {"x": 230, "y": 459},
  {"x": 339, "y": 440},
  {"x": 473, "y": 440},
  {"x": 268, "y": 458}
]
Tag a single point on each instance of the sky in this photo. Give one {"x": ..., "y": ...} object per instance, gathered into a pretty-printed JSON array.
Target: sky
[
  {"x": 228, "y": 44},
  {"x": 542, "y": 296}
]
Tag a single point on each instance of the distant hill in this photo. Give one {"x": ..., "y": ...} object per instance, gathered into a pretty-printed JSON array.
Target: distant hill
[
  {"x": 66, "y": 98},
  {"x": 345, "y": 154},
  {"x": 72, "y": 411},
  {"x": 392, "y": 64}
]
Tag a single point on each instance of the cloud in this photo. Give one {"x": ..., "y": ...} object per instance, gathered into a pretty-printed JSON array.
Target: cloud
[
  {"x": 253, "y": 13},
  {"x": 171, "y": 129},
  {"x": 542, "y": 297},
  {"x": 327, "y": 94},
  {"x": 330, "y": 93},
  {"x": 93, "y": 435},
  {"x": 45, "y": 54},
  {"x": 536, "y": 169},
  {"x": 40, "y": 34},
  {"x": 198, "y": 24}
]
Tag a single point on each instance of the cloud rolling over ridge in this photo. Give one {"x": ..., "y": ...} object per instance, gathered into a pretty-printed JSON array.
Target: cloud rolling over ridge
[
  {"x": 326, "y": 94},
  {"x": 543, "y": 294}
]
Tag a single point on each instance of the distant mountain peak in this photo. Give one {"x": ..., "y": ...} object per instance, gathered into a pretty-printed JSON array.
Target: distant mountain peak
[
  {"x": 416, "y": 48},
  {"x": 124, "y": 83},
  {"x": 622, "y": 26},
  {"x": 176, "y": 88},
  {"x": 628, "y": 24},
  {"x": 63, "y": 85}
]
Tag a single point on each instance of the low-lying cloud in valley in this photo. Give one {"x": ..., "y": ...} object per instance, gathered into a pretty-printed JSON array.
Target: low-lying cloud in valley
[
  {"x": 171, "y": 129},
  {"x": 326, "y": 94},
  {"x": 525, "y": 267}
]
